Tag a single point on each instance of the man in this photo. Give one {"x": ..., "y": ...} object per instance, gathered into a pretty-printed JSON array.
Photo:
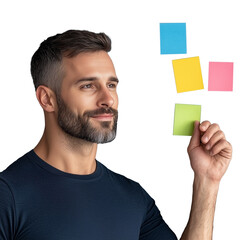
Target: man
[{"x": 59, "y": 191}]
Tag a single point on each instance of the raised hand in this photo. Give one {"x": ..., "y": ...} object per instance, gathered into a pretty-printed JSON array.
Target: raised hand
[{"x": 209, "y": 151}]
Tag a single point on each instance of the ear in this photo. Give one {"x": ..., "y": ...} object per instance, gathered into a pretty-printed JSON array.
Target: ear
[{"x": 46, "y": 98}]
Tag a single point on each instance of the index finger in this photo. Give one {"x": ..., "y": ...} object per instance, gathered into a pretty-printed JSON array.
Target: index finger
[
  {"x": 204, "y": 126},
  {"x": 213, "y": 132}
]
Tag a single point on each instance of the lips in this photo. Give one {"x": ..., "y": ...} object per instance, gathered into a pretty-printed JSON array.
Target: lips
[{"x": 103, "y": 117}]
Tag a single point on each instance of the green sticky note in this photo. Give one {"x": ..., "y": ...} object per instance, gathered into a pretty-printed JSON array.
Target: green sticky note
[
  {"x": 184, "y": 118},
  {"x": 188, "y": 74}
]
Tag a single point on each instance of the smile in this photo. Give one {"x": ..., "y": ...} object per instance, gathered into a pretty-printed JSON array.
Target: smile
[{"x": 103, "y": 117}]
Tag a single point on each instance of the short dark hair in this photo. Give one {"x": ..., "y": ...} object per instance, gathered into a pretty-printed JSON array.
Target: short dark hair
[{"x": 46, "y": 63}]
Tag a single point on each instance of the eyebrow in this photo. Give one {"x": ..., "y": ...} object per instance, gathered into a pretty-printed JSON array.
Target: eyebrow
[{"x": 91, "y": 79}]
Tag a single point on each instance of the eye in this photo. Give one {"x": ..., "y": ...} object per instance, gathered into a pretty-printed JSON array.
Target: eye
[
  {"x": 87, "y": 86},
  {"x": 112, "y": 85}
]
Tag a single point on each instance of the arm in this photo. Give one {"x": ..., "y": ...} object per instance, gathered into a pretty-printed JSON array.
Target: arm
[
  {"x": 210, "y": 155},
  {"x": 7, "y": 212}
]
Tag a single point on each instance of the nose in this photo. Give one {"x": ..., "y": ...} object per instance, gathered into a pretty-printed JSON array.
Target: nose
[{"x": 105, "y": 99}]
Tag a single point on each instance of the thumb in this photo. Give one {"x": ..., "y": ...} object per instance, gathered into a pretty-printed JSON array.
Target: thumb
[{"x": 195, "y": 139}]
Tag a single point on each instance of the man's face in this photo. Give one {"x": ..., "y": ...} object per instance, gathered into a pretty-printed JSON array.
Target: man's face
[{"x": 87, "y": 107}]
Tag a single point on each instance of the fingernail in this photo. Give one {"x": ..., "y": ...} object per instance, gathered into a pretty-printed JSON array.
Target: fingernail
[{"x": 205, "y": 139}]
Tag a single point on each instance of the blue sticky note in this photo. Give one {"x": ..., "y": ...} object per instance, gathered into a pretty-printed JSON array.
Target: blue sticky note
[{"x": 173, "y": 38}]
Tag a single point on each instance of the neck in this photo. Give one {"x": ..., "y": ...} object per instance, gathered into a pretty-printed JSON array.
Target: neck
[{"x": 68, "y": 154}]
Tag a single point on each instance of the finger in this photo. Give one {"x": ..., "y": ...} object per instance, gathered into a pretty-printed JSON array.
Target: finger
[
  {"x": 195, "y": 139},
  {"x": 210, "y": 131},
  {"x": 214, "y": 139},
  {"x": 224, "y": 147},
  {"x": 204, "y": 126}
]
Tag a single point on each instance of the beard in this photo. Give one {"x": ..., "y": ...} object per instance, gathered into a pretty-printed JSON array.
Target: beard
[{"x": 80, "y": 126}]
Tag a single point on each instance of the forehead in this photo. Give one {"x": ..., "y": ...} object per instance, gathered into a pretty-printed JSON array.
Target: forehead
[{"x": 93, "y": 64}]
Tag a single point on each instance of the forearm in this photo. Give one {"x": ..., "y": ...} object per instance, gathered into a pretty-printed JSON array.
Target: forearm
[{"x": 200, "y": 224}]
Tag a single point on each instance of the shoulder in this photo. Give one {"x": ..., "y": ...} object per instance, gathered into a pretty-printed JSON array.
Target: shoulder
[
  {"x": 16, "y": 173},
  {"x": 125, "y": 184},
  {"x": 12, "y": 184},
  {"x": 5, "y": 191},
  {"x": 119, "y": 178}
]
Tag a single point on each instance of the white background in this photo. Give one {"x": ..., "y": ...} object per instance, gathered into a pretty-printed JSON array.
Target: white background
[{"x": 145, "y": 149}]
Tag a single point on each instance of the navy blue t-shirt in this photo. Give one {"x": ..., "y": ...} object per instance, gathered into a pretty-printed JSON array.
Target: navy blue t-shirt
[{"x": 40, "y": 202}]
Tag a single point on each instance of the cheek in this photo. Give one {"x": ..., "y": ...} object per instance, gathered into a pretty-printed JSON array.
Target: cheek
[
  {"x": 76, "y": 103},
  {"x": 116, "y": 101},
  {"x": 83, "y": 104}
]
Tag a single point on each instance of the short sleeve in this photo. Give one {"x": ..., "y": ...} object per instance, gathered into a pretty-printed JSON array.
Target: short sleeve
[
  {"x": 7, "y": 211},
  {"x": 153, "y": 226}
]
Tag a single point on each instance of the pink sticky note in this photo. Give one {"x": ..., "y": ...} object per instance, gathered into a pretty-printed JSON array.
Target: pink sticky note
[{"x": 220, "y": 76}]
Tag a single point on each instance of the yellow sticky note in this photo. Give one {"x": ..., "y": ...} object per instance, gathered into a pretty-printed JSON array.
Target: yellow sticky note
[{"x": 188, "y": 74}]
